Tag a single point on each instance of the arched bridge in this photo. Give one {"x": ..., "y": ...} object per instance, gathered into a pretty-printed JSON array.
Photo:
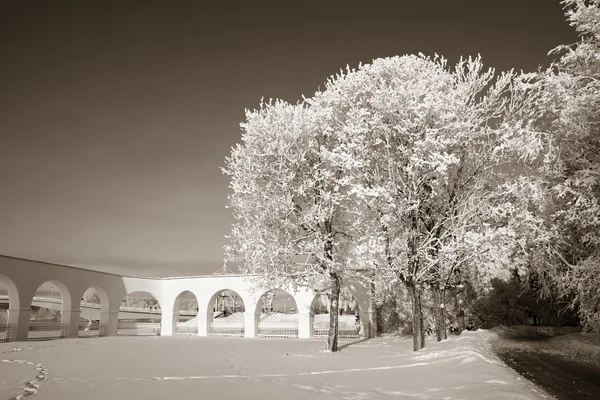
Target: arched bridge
[{"x": 22, "y": 278}]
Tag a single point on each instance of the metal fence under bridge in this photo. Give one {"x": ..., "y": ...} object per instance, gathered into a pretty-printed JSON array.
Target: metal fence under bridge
[
  {"x": 5, "y": 330},
  {"x": 344, "y": 331},
  {"x": 278, "y": 330},
  {"x": 138, "y": 328},
  {"x": 183, "y": 329},
  {"x": 41, "y": 330},
  {"x": 227, "y": 329}
]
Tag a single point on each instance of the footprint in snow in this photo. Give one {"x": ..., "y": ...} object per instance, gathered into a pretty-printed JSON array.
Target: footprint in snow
[{"x": 32, "y": 386}]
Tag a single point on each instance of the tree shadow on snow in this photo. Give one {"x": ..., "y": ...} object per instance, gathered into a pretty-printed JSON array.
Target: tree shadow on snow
[{"x": 343, "y": 346}]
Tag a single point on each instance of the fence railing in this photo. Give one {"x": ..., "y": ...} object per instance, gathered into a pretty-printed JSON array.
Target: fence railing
[
  {"x": 280, "y": 330},
  {"x": 47, "y": 330},
  {"x": 5, "y": 330},
  {"x": 224, "y": 329},
  {"x": 138, "y": 328},
  {"x": 344, "y": 331}
]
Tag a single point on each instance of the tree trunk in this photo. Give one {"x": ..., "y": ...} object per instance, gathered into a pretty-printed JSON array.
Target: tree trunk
[
  {"x": 461, "y": 321},
  {"x": 440, "y": 313},
  {"x": 460, "y": 316},
  {"x": 443, "y": 314},
  {"x": 334, "y": 307},
  {"x": 418, "y": 323},
  {"x": 421, "y": 321},
  {"x": 437, "y": 311}
]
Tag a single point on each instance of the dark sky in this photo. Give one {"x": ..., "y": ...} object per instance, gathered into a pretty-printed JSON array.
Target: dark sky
[{"x": 115, "y": 117}]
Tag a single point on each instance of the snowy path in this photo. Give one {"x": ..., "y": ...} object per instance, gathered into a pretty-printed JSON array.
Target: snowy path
[
  {"x": 223, "y": 368},
  {"x": 551, "y": 368}
]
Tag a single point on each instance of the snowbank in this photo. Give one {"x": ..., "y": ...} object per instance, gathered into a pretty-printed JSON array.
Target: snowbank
[{"x": 471, "y": 354}]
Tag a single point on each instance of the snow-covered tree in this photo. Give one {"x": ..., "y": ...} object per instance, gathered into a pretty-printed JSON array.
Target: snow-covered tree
[
  {"x": 568, "y": 101},
  {"x": 291, "y": 196},
  {"x": 433, "y": 144}
]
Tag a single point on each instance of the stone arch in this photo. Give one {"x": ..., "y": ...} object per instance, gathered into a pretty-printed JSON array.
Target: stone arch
[
  {"x": 139, "y": 314},
  {"x": 180, "y": 296},
  {"x": 232, "y": 324},
  {"x": 283, "y": 301},
  {"x": 132, "y": 297},
  {"x": 320, "y": 304},
  {"x": 360, "y": 293},
  {"x": 65, "y": 297},
  {"x": 277, "y": 314},
  {"x": 184, "y": 322},
  {"x": 352, "y": 307},
  {"x": 11, "y": 291},
  {"x": 91, "y": 317},
  {"x": 232, "y": 293},
  {"x": 57, "y": 321}
]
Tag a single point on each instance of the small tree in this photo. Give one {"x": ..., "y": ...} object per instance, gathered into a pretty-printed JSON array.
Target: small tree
[{"x": 291, "y": 195}]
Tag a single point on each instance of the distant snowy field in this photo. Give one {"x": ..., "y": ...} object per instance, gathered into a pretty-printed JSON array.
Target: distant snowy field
[{"x": 145, "y": 368}]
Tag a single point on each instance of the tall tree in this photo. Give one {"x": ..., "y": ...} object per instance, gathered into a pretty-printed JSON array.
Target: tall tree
[
  {"x": 568, "y": 100},
  {"x": 434, "y": 143},
  {"x": 291, "y": 196}
]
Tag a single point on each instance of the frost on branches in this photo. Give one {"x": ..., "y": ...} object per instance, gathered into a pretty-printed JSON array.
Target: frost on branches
[
  {"x": 432, "y": 145},
  {"x": 292, "y": 197},
  {"x": 568, "y": 100},
  {"x": 417, "y": 174}
]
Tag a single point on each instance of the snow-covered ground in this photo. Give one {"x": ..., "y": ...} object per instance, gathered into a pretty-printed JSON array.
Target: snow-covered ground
[{"x": 146, "y": 368}]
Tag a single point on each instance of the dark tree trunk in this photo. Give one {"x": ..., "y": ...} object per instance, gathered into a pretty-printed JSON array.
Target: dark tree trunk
[
  {"x": 436, "y": 304},
  {"x": 461, "y": 321},
  {"x": 443, "y": 315},
  {"x": 418, "y": 323},
  {"x": 460, "y": 315},
  {"x": 440, "y": 313},
  {"x": 421, "y": 322},
  {"x": 334, "y": 311}
]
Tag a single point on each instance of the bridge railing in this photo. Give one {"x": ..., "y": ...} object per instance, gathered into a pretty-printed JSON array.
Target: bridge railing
[
  {"x": 5, "y": 330},
  {"x": 55, "y": 300}
]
